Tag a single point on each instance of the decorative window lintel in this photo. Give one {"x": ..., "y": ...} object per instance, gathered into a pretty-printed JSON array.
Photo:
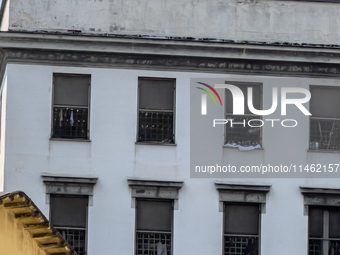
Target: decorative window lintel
[
  {"x": 242, "y": 193},
  {"x": 148, "y": 188},
  {"x": 69, "y": 185},
  {"x": 316, "y": 196}
]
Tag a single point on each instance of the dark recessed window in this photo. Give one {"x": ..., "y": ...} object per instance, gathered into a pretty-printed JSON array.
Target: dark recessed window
[
  {"x": 243, "y": 134},
  {"x": 71, "y": 106},
  {"x": 324, "y": 231},
  {"x": 69, "y": 216},
  {"x": 241, "y": 229},
  {"x": 154, "y": 227},
  {"x": 156, "y": 110},
  {"x": 325, "y": 119}
]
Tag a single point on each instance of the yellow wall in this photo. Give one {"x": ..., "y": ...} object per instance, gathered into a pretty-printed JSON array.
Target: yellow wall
[{"x": 14, "y": 239}]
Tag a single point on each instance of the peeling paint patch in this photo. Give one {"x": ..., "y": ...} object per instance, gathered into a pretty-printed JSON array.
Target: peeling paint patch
[{"x": 115, "y": 28}]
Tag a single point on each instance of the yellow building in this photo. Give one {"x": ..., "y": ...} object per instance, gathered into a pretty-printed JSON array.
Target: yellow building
[{"x": 24, "y": 230}]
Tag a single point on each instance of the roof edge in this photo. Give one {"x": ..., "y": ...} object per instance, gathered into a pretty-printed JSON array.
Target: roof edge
[
  {"x": 170, "y": 47},
  {"x": 27, "y": 201}
]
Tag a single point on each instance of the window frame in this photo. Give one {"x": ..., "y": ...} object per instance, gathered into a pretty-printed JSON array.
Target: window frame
[
  {"x": 71, "y": 228},
  {"x": 225, "y": 204},
  {"x": 154, "y": 190},
  {"x": 69, "y": 185},
  {"x": 321, "y": 118},
  {"x": 318, "y": 197},
  {"x": 325, "y": 239},
  {"x": 88, "y": 106},
  {"x": 246, "y": 193},
  {"x": 227, "y": 113},
  {"x": 173, "y": 111},
  {"x": 172, "y": 220}
]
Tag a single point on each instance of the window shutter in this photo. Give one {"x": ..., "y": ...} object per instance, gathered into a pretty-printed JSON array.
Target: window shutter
[
  {"x": 71, "y": 90},
  {"x": 68, "y": 211},
  {"x": 154, "y": 215}
]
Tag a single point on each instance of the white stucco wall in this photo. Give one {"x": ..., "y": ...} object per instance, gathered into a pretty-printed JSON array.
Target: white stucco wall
[
  {"x": 258, "y": 20},
  {"x": 113, "y": 156}
]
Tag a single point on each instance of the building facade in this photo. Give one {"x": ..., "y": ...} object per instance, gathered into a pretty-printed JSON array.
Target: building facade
[{"x": 95, "y": 123}]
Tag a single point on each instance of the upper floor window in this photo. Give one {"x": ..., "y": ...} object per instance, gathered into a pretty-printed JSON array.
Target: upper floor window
[
  {"x": 325, "y": 119},
  {"x": 71, "y": 93},
  {"x": 241, "y": 229},
  {"x": 241, "y": 132},
  {"x": 156, "y": 110}
]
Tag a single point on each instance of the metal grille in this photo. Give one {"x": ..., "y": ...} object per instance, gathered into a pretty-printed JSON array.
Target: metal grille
[
  {"x": 315, "y": 247},
  {"x": 243, "y": 134},
  {"x": 156, "y": 126},
  {"x": 324, "y": 133},
  {"x": 240, "y": 245},
  {"x": 70, "y": 122},
  {"x": 76, "y": 238},
  {"x": 146, "y": 242}
]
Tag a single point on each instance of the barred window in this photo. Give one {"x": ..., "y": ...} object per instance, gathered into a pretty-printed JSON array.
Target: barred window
[
  {"x": 324, "y": 231},
  {"x": 325, "y": 119},
  {"x": 69, "y": 216},
  {"x": 70, "y": 106},
  {"x": 241, "y": 229},
  {"x": 156, "y": 110},
  {"x": 154, "y": 227},
  {"x": 240, "y": 134}
]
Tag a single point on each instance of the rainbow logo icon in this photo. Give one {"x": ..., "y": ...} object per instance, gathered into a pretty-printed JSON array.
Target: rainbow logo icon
[{"x": 204, "y": 97}]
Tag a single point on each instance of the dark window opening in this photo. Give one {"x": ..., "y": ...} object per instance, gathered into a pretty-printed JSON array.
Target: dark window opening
[
  {"x": 156, "y": 110},
  {"x": 69, "y": 217},
  {"x": 324, "y": 231},
  {"x": 325, "y": 119},
  {"x": 241, "y": 229},
  {"x": 70, "y": 106},
  {"x": 242, "y": 132},
  {"x": 154, "y": 227}
]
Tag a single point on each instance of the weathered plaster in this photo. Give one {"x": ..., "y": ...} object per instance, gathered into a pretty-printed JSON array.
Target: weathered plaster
[
  {"x": 161, "y": 62},
  {"x": 263, "y": 20}
]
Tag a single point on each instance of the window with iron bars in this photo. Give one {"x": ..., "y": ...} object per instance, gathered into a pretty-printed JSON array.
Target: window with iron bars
[
  {"x": 154, "y": 227},
  {"x": 156, "y": 110},
  {"x": 241, "y": 229},
  {"x": 239, "y": 133},
  {"x": 69, "y": 216},
  {"x": 70, "y": 106},
  {"x": 324, "y": 231},
  {"x": 325, "y": 119}
]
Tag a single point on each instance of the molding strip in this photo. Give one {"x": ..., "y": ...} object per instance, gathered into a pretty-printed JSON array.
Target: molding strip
[
  {"x": 314, "y": 196},
  {"x": 170, "y": 55},
  {"x": 242, "y": 193},
  {"x": 69, "y": 185},
  {"x": 156, "y": 189},
  {"x": 170, "y": 47}
]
